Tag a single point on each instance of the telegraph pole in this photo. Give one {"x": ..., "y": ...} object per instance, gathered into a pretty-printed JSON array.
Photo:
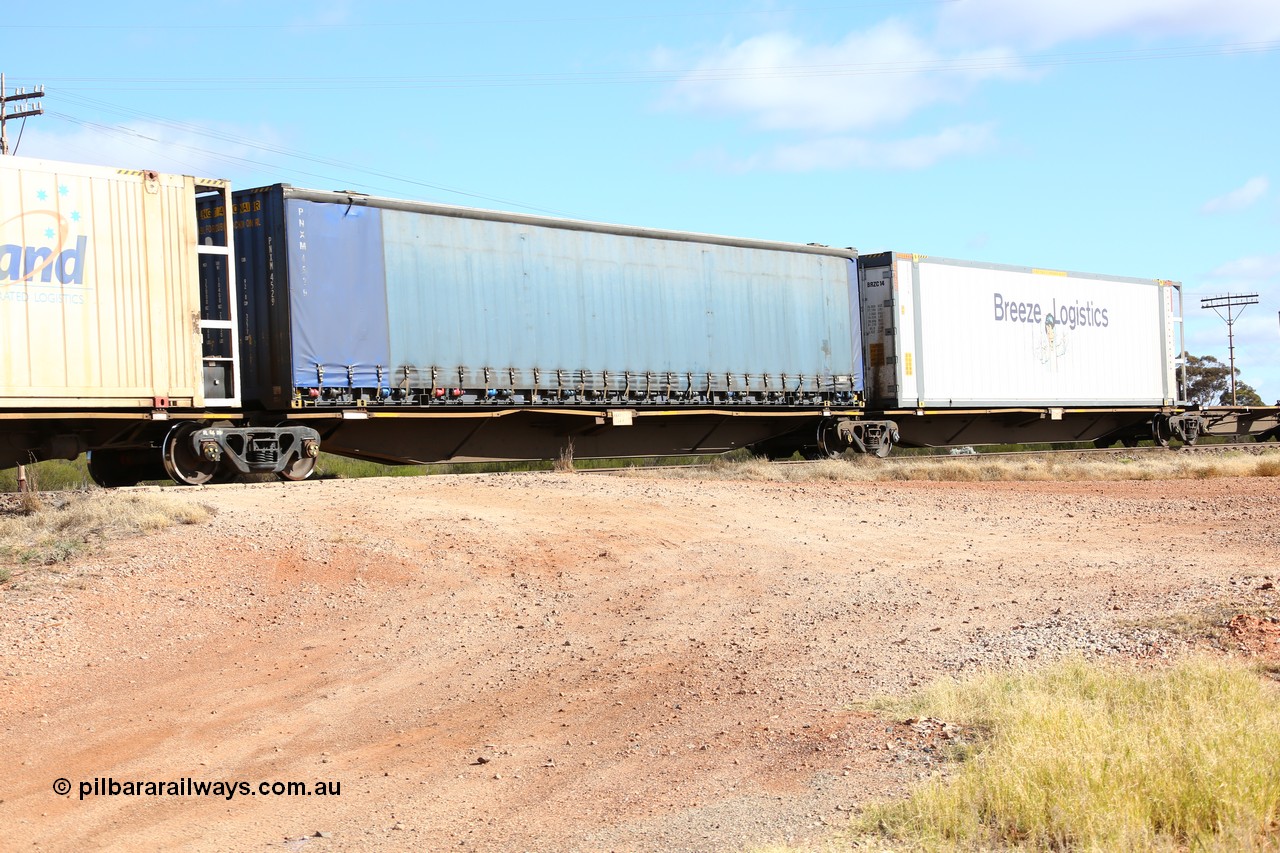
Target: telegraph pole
[
  {"x": 1230, "y": 302},
  {"x": 20, "y": 111}
]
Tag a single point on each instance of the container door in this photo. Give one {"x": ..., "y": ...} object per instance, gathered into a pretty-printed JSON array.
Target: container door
[
  {"x": 876, "y": 301},
  {"x": 904, "y": 333},
  {"x": 219, "y": 332}
]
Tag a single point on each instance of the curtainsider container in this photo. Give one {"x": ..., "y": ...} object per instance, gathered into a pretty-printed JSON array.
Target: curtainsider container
[
  {"x": 352, "y": 299},
  {"x": 953, "y": 334}
]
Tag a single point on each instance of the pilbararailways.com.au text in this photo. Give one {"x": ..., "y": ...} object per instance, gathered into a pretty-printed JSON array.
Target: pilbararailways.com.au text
[{"x": 188, "y": 787}]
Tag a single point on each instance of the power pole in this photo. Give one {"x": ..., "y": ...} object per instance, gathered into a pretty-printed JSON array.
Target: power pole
[
  {"x": 22, "y": 111},
  {"x": 1230, "y": 302},
  {"x": 5, "y": 115}
]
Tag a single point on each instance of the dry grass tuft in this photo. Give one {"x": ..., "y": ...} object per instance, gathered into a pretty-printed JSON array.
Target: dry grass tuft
[
  {"x": 1100, "y": 757},
  {"x": 1155, "y": 466},
  {"x": 564, "y": 462},
  {"x": 29, "y": 502},
  {"x": 54, "y": 532}
]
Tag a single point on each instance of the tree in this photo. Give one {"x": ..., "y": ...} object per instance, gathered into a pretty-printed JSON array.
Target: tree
[
  {"x": 1209, "y": 383},
  {"x": 1206, "y": 379},
  {"x": 1246, "y": 395}
]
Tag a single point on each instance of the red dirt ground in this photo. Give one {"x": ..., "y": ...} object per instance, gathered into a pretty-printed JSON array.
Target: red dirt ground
[{"x": 569, "y": 662}]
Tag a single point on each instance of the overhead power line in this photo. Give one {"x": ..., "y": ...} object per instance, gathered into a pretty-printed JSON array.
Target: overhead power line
[
  {"x": 1231, "y": 302},
  {"x": 24, "y": 109},
  {"x": 240, "y": 161},
  {"x": 964, "y": 64}
]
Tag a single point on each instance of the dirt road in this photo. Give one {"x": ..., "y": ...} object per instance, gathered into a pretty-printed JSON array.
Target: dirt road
[{"x": 564, "y": 662}]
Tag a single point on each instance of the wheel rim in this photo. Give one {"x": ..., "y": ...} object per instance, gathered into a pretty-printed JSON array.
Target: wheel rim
[
  {"x": 1160, "y": 432},
  {"x": 182, "y": 462},
  {"x": 299, "y": 469}
]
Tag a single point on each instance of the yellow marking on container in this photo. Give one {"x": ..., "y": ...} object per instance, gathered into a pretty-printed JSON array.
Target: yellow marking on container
[
  {"x": 908, "y": 364},
  {"x": 1049, "y": 272}
]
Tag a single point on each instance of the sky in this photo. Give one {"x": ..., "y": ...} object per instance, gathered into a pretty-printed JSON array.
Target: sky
[{"x": 1126, "y": 137}]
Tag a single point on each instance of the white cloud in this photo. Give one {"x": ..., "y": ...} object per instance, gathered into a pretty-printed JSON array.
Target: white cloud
[
  {"x": 1038, "y": 24},
  {"x": 1240, "y": 198},
  {"x": 148, "y": 145},
  {"x": 869, "y": 79},
  {"x": 1252, "y": 268},
  {"x": 830, "y": 94},
  {"x": 845, "y": 151}
]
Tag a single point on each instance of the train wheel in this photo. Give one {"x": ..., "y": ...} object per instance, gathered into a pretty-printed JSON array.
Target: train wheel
[
  {"x": 1129, "y": 441},
  {"x": 885, "y": 447},
  {"x": 1160, "y": 431},
  {"x": 182, "y": 463},
  {"x": 109, "y": 470},
  {"x": 299, "y": 469}
]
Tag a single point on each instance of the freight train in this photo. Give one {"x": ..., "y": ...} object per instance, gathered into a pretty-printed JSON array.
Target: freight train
[{"x": 173, "y": 328}]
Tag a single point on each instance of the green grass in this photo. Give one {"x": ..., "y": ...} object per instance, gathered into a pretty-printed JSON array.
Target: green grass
[
  {"x": 341, "y": 467},
  {"x": 60, "y": 475},
  {"x": 1084, "y": 756},
  {"x": 55, "y": 475}
]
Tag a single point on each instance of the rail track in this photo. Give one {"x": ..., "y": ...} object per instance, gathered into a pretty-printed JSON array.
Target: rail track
[
  {"x": 1102, "y": 453},
  {"x": 1253, "y": 448}
]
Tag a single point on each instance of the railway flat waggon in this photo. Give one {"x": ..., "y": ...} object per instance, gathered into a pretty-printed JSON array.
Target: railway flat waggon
[
  {"x": 414, "y": 332},
  {"x": 173, "y": 328}
]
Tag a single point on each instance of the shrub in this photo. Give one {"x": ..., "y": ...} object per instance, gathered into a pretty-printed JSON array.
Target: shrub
[{"x": 1092, "y": 756}]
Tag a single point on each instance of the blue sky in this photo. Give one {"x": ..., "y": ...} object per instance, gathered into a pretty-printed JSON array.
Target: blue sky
[{"x": 1130, "y": 137}]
